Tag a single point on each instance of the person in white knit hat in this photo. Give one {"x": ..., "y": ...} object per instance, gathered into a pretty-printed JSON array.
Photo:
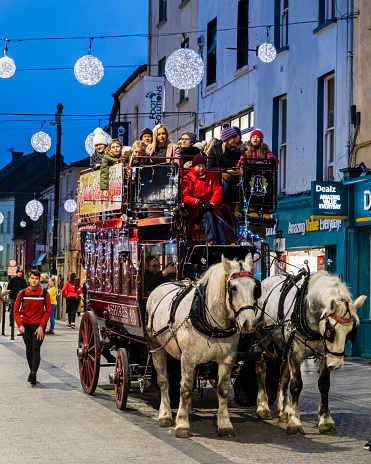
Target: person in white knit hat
[{"x": 100, "y": 145}]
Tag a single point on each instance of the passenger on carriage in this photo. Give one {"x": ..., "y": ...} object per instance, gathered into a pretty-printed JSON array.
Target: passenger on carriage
[
  {"x": 187, "y": 148},
  {"x": 162, "y": 147},
  {"x": 257, "y": 151},
  {"x": 153, "y": 276},
  {"x": 137, "y": 153},
  {"x": 100, "y": 145},
  {"x": 112, "y": 156},
  {"x": 202, "y": 194},
  {"x": 146, "y": 136}
]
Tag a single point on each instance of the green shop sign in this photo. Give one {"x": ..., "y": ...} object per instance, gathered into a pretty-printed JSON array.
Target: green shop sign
[
  {"x": 362, "y": 203},
  {"x": 329, "y": 200}
]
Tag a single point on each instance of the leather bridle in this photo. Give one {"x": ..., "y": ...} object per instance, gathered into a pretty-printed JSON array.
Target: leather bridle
[
  {"x": 238, "y": 275},
  {"x": 329, "y": 334}
]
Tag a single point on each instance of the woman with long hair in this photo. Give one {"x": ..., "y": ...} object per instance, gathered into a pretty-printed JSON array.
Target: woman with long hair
[
  {"x": 53, "y": 292},
  {"x": 162, "y": 147},
  {"x": 72, "y": 291}
]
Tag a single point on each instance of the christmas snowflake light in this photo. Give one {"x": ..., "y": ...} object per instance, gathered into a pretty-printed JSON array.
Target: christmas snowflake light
[
  {"x": 184, "y": 69},
  {"x": 22, "y": 223},
  {"x": 267, "y": 52},
  {"x": 1, "y": 218},
  {"x": 89, "y": 147},
  {"x": 70, "y": 206},
  {"x": 34, "y": 209},
  {"x": 89, "y": 70},
  {"x": 1, "y": 248},
  {"x": 7, "y": 67},
  {"x": 41, "y": 142}
]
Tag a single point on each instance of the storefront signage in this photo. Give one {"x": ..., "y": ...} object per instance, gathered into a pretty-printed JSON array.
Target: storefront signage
[
  {"x": 90, "y": 196},
  {"x": 120, "y": 130},
  {"x": 312, "y": 225},
  {"x": 362, "y": 199},
  {"x": 329, "y": 199},
  {"x": 154, "y": 100}
]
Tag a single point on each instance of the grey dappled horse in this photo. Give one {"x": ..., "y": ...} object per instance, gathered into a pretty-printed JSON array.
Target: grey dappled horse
[
  {"x": 330, "y": 312},
  {"x": 229, "y": 300}
]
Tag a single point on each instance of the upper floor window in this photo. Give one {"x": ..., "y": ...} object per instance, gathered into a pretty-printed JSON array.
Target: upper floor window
[
  {"x": 282, "y": 141},
  {"x": 8, "y": 222},
  {"x": 326, "y": 10},
  {"x": 245, "y": 121},
  {"x": 329, "y": 128},
  {"x": 161, "y": 67},
  {"x": 211, "y": 52},
  {"x": 162, "y": 10},
  {"x": 284, "y": 23},
  {"x": 242, "y": 33}
]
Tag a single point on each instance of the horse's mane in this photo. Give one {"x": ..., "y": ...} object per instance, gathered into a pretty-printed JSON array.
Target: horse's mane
[
  {"x": 215, "y": 278},
  {"x": 323, "y": 286}
]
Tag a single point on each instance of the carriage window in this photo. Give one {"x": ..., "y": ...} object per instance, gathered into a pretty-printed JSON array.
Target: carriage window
[{"x": 159, "y": 265}]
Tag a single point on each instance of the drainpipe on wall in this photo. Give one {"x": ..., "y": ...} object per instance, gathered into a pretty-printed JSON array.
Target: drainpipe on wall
[
  {"x": 350, "y": 31},
  {"x": 149, "y": 37}
]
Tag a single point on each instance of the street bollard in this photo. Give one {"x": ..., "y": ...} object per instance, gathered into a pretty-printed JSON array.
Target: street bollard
[
  {"x": 12, "y": 329},
  {"x": 3, "y": 320}
]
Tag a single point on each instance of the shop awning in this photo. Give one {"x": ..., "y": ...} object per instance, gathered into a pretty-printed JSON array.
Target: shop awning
[{"x": 38, "y": 260}]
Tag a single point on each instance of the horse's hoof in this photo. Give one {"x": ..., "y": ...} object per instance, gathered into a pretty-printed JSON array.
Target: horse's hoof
[
  {"x": 165, "y": 422},
  {"x": 295, "y": 430},
  {"x": 183, "y": 433},
  {"x": 327, "y": 428},
  {"x": 226, "y": 432},
  {"x": 264, "y": 414},
  {"x": 284, "y": 417}
]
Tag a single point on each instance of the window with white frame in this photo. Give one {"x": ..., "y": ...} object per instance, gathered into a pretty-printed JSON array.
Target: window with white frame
[
  {"x": 284, "y": 23},
  {"x": 245, "y": 121},
  {"x": 329, "y": 128},
  {"x": 282, "y": 142}
]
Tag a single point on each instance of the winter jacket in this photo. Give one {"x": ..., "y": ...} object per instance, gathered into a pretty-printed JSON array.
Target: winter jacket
[
  {"x": 53, "y": 295},
  {"x": 188, "y": 153},
  {"x": 268, "y": 155},
  {"x": 69, "y": 290},
  {"x": 96, "y": 158},
  {"x": 205, "y": 189},
  {"x": 33, "y": 310},
  {"x": 216, "y": 157},
  {"x": 108, "y": 160},
  {"x": 15, "y": 285},
  {"x": 172, "y": 152}
]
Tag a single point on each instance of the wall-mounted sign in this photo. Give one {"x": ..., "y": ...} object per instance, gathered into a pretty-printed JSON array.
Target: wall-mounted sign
[
  {"x": 120, "y": 130},
  {"x": 313, "y": 225},
  {"x": 329, "y": 200},
  {"x": 362, "y": 200}
]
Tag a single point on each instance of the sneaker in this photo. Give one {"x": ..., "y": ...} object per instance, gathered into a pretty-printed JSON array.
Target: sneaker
[
  {"x": 368, "y": 445},
  {"x": 253, "y": 215},
  {"x": 267, "y": 216},
  {"x": 72, "y": 325},
  {"x": 29, "y": 377},
  {"x": 69, "y": 325},
  {"x": 47, "y": 332},
  {"x": 32, "y": 378}
]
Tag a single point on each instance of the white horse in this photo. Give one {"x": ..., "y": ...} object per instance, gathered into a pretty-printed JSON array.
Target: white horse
[
  {"x": 229, "y": 301},
  {"x": 330, "y": 312}
]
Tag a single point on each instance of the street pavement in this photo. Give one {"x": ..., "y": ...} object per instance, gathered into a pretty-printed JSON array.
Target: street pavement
[{"x": 55, "y": 422}]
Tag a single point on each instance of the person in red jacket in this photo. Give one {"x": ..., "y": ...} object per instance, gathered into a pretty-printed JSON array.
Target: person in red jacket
[
  {"x": 31, "y": 314},
  {"x": 202, "y": 194},
  {"x": 71, "y": 291}
]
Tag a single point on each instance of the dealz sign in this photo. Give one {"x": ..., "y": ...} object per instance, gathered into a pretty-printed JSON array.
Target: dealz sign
[{"x": 329, "y": 200}]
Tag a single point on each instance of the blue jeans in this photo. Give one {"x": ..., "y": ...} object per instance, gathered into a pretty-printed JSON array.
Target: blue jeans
[
  {"x": 213, "y": 228},
  {"x": 52, "y": 316}
]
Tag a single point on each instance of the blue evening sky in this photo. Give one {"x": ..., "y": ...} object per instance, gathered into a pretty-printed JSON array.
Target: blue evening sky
[{"x": 41, "y": 91}]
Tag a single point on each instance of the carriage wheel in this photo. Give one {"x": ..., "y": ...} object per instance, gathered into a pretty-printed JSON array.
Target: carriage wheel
[
  {"x": 88, "y": 352},
  {"x": 122, "y": 378}
]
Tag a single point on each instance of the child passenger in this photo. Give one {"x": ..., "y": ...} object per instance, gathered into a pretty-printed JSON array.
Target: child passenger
[
  {"x": 111, "y": 156},
  {"x": 100, "y": 144},
  {"x": 138, "y": 152}
]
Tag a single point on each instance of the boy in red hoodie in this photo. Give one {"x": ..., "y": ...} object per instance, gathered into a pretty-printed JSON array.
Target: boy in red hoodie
[
  {"x": 203, "y": 195},
  {"x": 31, "y": 314}
]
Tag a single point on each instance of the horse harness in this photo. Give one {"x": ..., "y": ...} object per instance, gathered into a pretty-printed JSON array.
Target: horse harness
[
  {"x": 299, "y": 318},
  {"x": 199, "y": 309}
]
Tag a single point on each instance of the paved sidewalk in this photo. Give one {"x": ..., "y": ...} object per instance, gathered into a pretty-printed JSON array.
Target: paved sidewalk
[{"x": 56, "y": 422}]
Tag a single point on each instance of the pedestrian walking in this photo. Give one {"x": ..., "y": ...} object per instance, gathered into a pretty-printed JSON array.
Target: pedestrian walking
[
  {"x": 71, "y": 291},
  {"x": 15, "y": 285},
  {"x": 31, "y": 314},
  {"x": 53, "y": 292}
]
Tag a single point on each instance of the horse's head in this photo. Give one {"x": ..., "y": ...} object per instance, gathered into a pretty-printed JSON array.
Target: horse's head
[
  {"x": 338, "y": 323},
  {"x": 242, "y": 289}
]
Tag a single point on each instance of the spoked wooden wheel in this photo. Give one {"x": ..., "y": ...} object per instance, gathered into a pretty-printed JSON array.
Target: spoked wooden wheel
[
  {"x": 88, "y": 352},
  {"x": 122, "y": 378}
]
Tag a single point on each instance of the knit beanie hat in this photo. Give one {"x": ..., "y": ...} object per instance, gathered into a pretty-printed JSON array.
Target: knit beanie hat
[
  {"x": 144, "y": 132},
  {"x": 99, "y": 137},
  {"x": 192, "y": 136},
  {"x": 200, "y": 145},
  {"x": 198, "y": 159},
  {"x": 228, "y": 132},
  {"x": 257, "y": 132}
]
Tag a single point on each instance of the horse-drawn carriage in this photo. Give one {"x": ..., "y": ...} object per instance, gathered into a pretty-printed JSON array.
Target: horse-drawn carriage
[{"x": 137, "y": 307}]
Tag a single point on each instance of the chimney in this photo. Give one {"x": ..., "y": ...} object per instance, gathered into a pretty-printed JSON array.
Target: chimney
[{"x": 16, "y": 155}]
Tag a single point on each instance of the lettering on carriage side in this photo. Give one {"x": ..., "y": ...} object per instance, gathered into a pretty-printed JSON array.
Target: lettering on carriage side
[{"x": 122, "y": 313}]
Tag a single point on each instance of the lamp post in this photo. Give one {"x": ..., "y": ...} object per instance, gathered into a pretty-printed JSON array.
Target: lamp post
[
  {"x": 56, "y": 187},
  {"x": 279, "y": 245}
]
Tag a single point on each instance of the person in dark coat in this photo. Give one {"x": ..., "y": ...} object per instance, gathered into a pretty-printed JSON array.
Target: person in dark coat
[
  {"x": 146, "y": 136},
  {"x": 15, "y": 285},
  {"x": 187, "y": 149},
  {"x": 153, "y": 276}
]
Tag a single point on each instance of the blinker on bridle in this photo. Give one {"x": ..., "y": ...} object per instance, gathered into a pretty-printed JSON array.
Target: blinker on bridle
[{"x": 238, "y": 275}]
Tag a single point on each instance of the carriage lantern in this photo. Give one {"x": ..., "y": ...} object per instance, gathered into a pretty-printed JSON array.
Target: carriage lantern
[{"x": 279, "y": 244}]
